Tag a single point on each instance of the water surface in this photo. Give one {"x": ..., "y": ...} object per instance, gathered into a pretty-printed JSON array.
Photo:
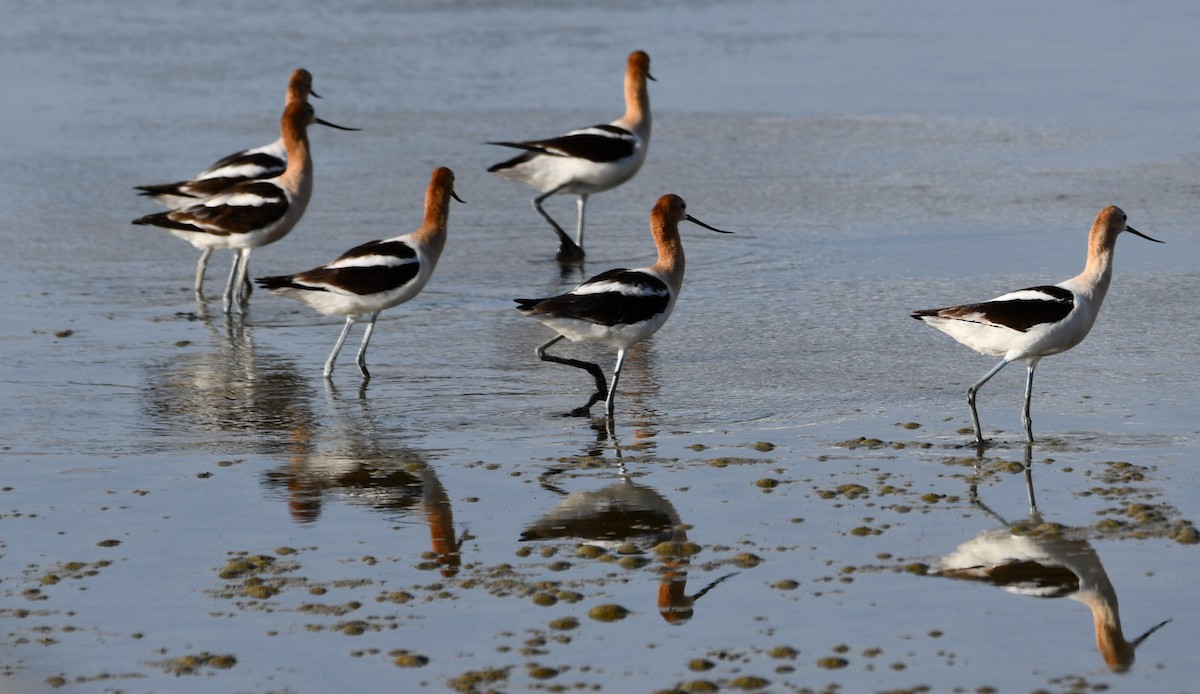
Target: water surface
[{"x": 786, "y": 473}]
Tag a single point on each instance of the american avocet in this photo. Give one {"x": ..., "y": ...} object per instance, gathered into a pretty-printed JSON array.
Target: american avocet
[
  {"x": 588, "y": 160},
  {"x": 376, "y": 275},
  {"x": 619, "y": 307},
  {"x": 251, "y": 213},
  {"x": 258, "y": 163},
  {"x": 1039, "y": 321}
]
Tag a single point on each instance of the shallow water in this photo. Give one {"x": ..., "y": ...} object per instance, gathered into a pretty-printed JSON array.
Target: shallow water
[{"x": 787, "y": 463}]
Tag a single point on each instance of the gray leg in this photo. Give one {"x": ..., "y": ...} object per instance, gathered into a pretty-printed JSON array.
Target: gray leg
[
  {"x": 601, "y": 387},
  {"x": 243, "y": 296},
  {"x": 362, "y": 350},
  {"x": 337, "y": 347},
  {"x": 567, "y": 249},
  {"x": 1025, "y": 418},
  {"x": 201, "y": 267},
  {"x": 971, "y": 398},
  {"x": 612, "y": 390},
  {"x": 579, "y": 221},
  {"x": 227, "y": 297}
]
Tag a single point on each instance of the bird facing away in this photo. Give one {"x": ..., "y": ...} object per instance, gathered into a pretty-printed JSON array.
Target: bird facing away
[
  {"x": 251, "y": 213},
  {"x": 258, "y": 163},
  {"x": 588, "y": 160},
  {"x": 1039, "y": 321},
  {"x": 376, "y": 275},
  {"x": 620, "y": 307}
]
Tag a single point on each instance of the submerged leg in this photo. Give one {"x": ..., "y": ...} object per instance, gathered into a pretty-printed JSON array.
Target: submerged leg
[
  {"x": 235, "y": 295},
  {"x": 243, "y": 296},
  {"x": 1025, "y": 418},
  {"x": 601, "y": 387},
  {"x": 582, "y": 202},
  {"x": 1029, "y": 480},
  {"x": 971, "y": 398},
  {"x": 567, "y": 249},
  {"x": 227, "y": 297},
  {"x": 201, "y": 267},
  {"x": 612, "y": 390},
  {"x": 362, "y": 350},
  {"x": 337, "y": 347}
]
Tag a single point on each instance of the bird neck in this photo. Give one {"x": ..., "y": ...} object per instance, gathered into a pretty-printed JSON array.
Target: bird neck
[
  {"x": 298, "y": 174},
  {"x": 1097, "y": 274},
  {"x": 670, "y": 254},
  {"x": 637, "y": 105},
  {"x": 432, "y": 234}
]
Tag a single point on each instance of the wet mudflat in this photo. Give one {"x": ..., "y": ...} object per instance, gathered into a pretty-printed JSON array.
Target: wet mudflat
[{"x": 785, "y": 499}]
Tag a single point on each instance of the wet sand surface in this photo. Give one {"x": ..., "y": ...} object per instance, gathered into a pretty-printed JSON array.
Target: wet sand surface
[{"x": 786, "y": 499}]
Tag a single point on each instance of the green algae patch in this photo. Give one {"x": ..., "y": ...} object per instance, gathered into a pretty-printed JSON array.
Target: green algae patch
[
  {"x": 676, "y": 549},
  {"x": 608, "y": 613},
  {"x": 763, "y": 446},
  {"x": 832, "y": 663},
  {"x": 1184, "y": 533},
  {"x": 477, "y": 680},
  {"x": 728, "y": 461},
  {"x": 852, "y": 491},
  {"x": 783, "y": 652},
  {"x": 402, "y": 658},
  {"x": 542, "y": 673},
  {"x": 861, "y": 442},
  {"x": 192, "y": 664},
  {"x": 766, "y": 483},
  {"x": 589, "y": 552},
  {"x": 260, "y": 591},
  {"x": 700, "y": 665},
  {"x": 564, "y": 624},
  {"x": 747, "y": 560},
  {"x": 787, "y": 584},
  {"x": 544, "y": 600},
  {"x": 1043, "y": 530},
  {"x": 247, "y": 565},
  {"x": 699, "y": 686},
  {"x": 749, "y": 683},
  {"x": 865, "y": 531}
]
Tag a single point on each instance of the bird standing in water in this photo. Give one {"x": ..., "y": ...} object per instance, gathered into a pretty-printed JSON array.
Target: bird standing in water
[
  {"x": 588, "y": 160},
  {"x": 620, "y": 307},
  {"x": 1039, "y": 321}
]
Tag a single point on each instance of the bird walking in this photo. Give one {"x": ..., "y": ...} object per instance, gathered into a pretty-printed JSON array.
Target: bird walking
[
  {"x": 258, "y": 163},
  {"x": 251, "y": 213},
  {"x": 1038, "y": 321},
  {"x": 588, "y": 160},
  {"x": 619, "y": 307},
  {"x": 375, "y": 275}
]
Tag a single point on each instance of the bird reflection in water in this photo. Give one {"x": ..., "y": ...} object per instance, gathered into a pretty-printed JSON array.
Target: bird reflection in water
[
  {"x": 621, "y": 515},
  {"x": 204, "y": 396},
  {"x": 1044, "y": 560},
  {"x": 364, "y": 472}
]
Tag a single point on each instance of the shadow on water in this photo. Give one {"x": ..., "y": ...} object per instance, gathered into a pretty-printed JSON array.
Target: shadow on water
[{"x": 1040, "y": 559}]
